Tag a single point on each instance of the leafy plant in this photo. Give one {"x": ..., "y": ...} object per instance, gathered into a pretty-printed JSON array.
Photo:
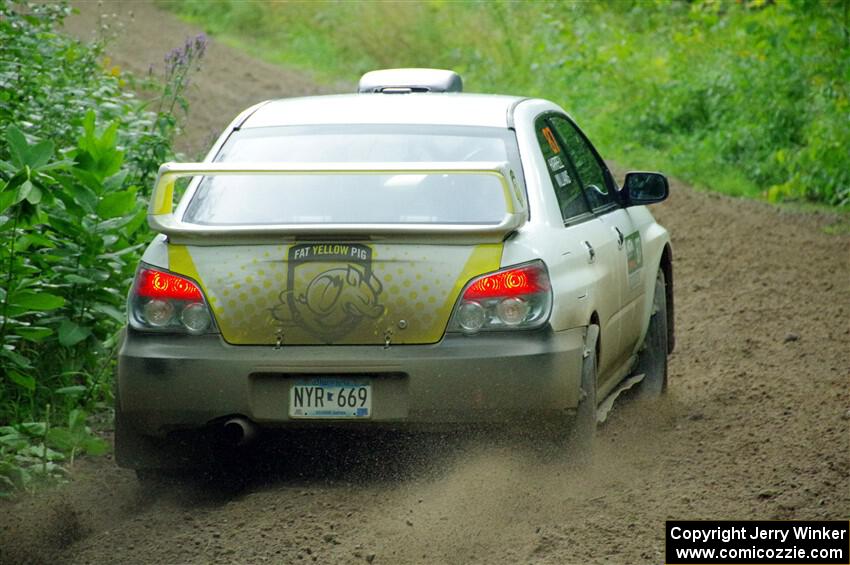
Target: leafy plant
[
  {"x": 33, "y": 452},
  {"x": 72, "y": 225}
]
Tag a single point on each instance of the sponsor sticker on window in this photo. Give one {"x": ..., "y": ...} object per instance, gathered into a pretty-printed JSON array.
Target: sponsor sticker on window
[
  {"x": 563, "y": 179},
  {"x": 555, "y": 163},
  {"x": 547, "y": 133}
]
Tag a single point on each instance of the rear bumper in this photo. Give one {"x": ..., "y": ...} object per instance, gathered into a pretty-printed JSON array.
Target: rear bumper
[{"x": 168, "y": 382}]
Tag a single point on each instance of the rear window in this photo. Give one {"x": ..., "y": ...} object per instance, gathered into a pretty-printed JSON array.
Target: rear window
[{"x": 363, "y": 198}]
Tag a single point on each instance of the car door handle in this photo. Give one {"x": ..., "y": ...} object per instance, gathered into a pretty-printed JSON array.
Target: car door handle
[
  {"x": 620, "y": 237},
  {"x": 591, "y": 252}
]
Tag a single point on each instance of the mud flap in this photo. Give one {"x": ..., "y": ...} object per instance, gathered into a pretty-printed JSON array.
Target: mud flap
[
  {"x": 591, "y": 336},
  {"x": 580, "y": 436}
]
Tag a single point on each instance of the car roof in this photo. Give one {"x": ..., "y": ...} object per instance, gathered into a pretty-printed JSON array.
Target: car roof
[{"x": 456, "y": 109}]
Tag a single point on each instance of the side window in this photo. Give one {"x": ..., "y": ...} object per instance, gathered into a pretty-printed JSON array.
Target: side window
[
  {"x": 590, "y": 171},
  {"x": 567, "y": 189}
]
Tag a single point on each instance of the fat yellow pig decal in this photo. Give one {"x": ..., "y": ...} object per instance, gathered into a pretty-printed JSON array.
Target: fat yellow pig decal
[{"x": 335, "y": 301}]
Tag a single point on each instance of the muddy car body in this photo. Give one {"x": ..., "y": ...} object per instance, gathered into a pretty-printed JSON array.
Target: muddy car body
[{"x": 404, "y": 257}]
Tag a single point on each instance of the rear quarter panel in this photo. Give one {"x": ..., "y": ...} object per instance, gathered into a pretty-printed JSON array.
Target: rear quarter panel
[{"x": 575, "y": 281}]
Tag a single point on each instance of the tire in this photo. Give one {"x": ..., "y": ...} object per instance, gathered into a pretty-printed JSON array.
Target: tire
[
  {"x": 570, "y": 437},
  {"x": 653, "y": 357}
]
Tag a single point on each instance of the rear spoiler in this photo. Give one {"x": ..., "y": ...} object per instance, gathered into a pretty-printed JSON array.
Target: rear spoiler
[{"x": 162, "y": 219}]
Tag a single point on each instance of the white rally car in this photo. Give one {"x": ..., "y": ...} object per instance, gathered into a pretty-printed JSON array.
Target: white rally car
[{"x": 409, "y": 256}]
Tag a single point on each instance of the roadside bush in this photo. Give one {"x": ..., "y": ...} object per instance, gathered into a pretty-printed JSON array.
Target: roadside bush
[{"x": 77, "y": 154}]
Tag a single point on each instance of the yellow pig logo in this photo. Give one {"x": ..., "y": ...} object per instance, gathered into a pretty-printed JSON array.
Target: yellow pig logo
[{"x": 334, "y": 302}]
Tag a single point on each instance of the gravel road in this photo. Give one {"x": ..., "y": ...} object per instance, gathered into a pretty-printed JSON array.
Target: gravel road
[{"x": 756, "y": 424}]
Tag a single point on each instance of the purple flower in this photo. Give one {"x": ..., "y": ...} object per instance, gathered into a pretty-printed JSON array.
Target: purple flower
[{"x": 200, "y": 44}]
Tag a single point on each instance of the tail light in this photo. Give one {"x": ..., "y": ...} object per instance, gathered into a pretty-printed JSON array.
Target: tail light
[
  {"x": 515, "y": 298},
  {"x": 163, "y": 301}
]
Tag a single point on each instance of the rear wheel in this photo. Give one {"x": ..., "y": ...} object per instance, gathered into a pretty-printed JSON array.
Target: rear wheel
[
  {"x": 653, "y": 358},
  {"x": 572, "y": 436}
]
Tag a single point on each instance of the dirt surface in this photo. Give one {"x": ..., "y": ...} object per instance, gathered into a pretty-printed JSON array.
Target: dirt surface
[{"x": 756, "y": 424}]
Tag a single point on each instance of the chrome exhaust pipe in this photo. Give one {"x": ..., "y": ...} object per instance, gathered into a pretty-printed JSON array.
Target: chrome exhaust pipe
[{"x": 239, "y": 431}]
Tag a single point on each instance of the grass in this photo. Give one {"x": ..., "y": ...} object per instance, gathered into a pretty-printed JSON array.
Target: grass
[
  {"x": 77, "y": 156},
  {"x": 748, "y": 98}
]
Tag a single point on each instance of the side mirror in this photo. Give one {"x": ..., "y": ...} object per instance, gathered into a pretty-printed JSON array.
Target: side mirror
[{"x": 642, "y": 188}]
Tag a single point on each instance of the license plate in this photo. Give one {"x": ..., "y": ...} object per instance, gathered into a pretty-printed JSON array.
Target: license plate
[{"x": 330, "y": 398}]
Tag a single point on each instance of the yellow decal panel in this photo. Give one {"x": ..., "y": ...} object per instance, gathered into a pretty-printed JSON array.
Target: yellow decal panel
[
  {"x": 163, "y": 196},
  {"x": 342, "y": 293},
  {"x": 180, "y": 262}
]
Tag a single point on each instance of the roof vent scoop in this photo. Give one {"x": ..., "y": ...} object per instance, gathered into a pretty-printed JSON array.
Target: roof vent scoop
[{"x": 405, "y": 81}]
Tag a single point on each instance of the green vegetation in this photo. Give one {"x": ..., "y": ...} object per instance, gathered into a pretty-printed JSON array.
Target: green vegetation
[
  {"x": 77, "y": 154},
  {"x": 749, "y": 98}
]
